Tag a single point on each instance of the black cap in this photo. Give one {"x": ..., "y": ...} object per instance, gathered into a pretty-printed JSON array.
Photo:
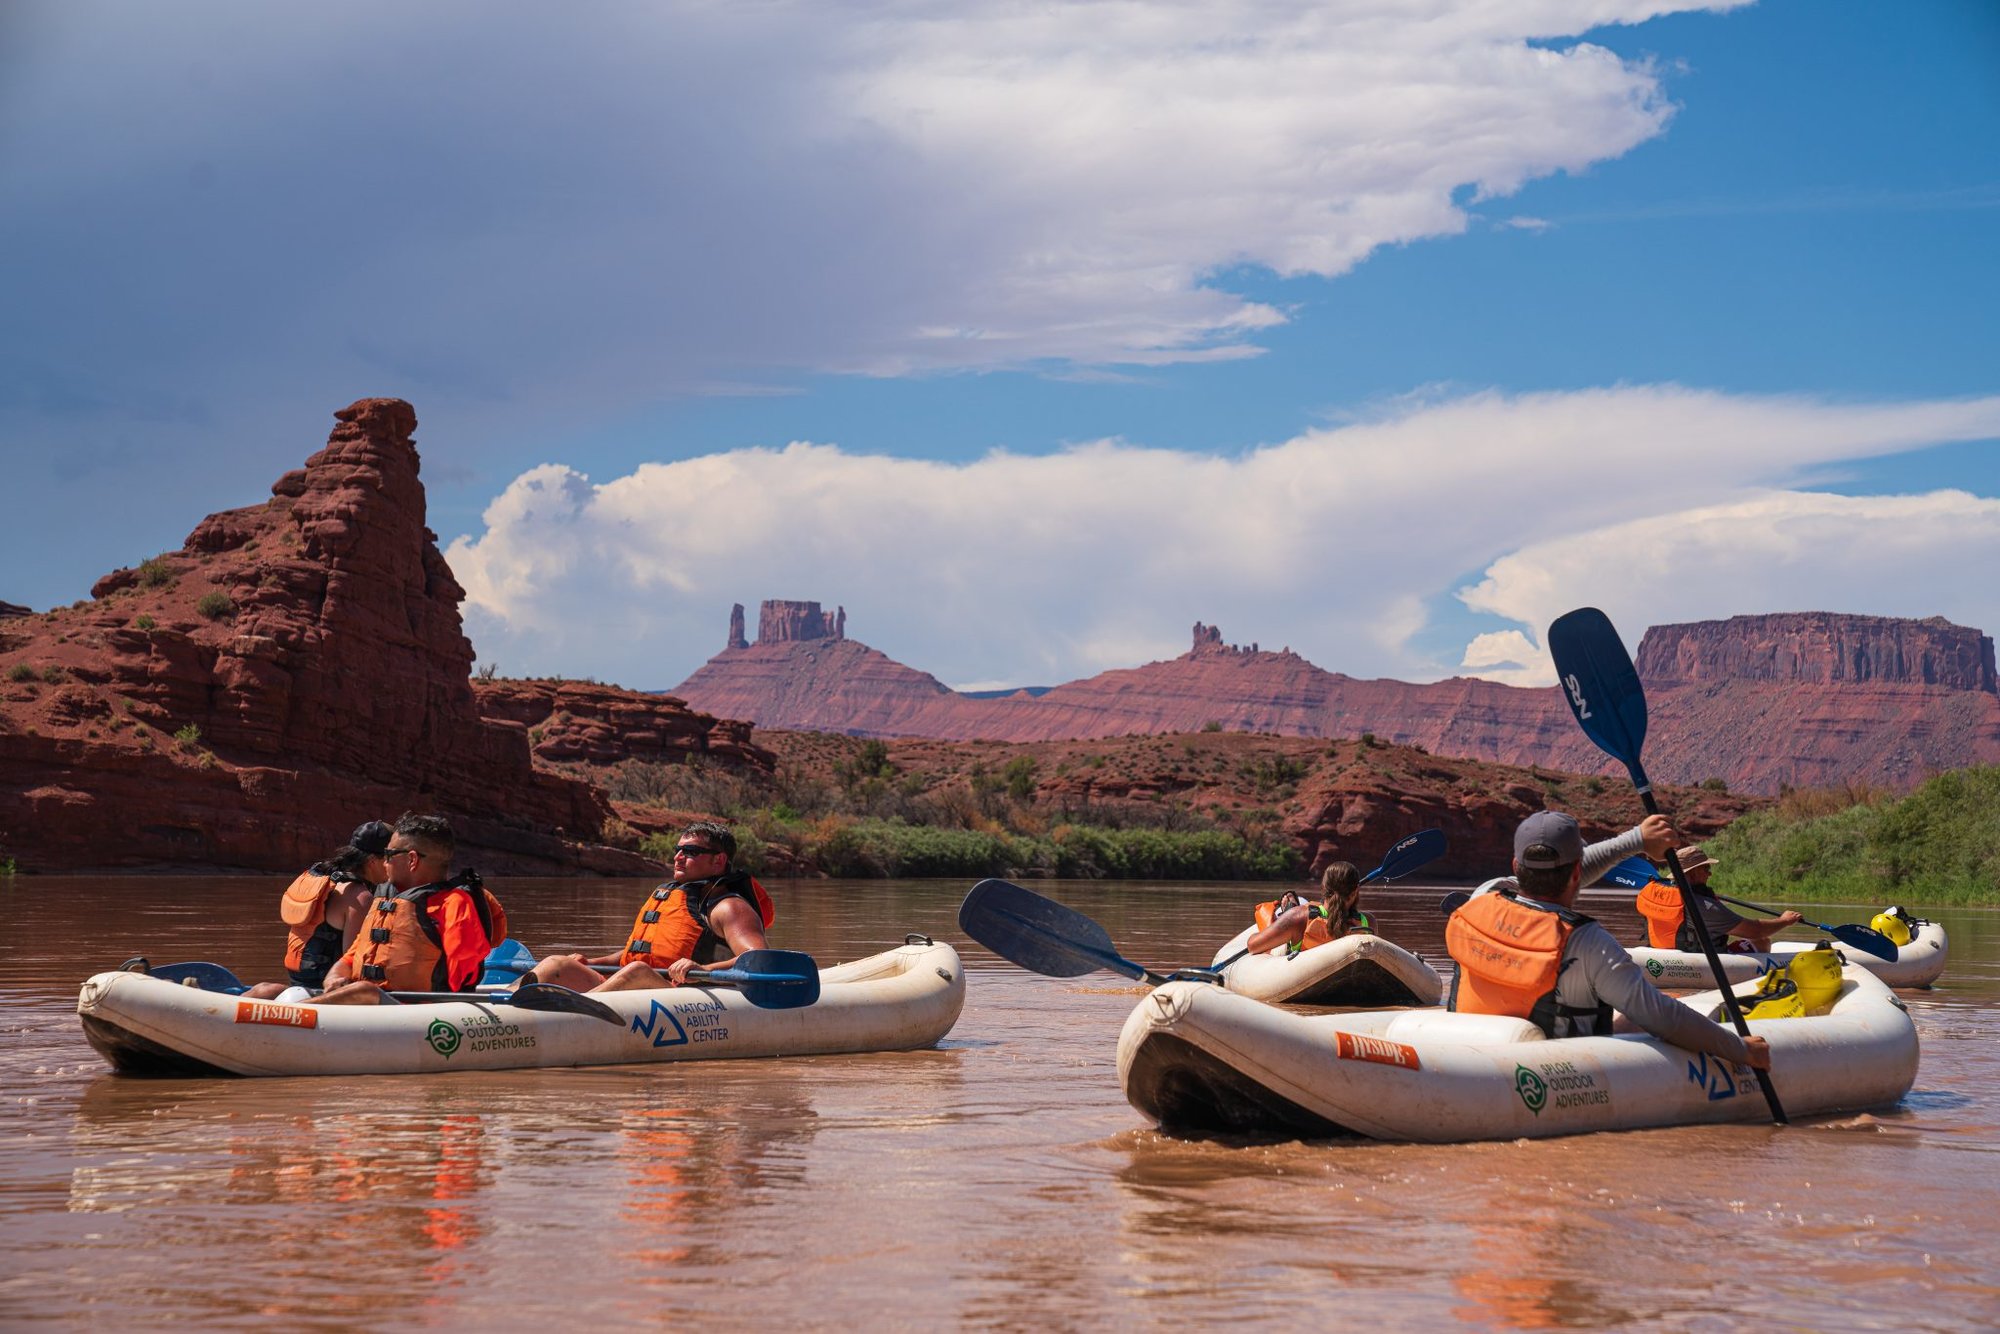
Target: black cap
[{"x": 372, "y": 838}]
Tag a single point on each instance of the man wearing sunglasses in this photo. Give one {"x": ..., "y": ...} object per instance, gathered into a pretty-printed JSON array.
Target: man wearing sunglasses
[
  {"x": 429, "y": 931},
  {"x": 702, "y": 918}
]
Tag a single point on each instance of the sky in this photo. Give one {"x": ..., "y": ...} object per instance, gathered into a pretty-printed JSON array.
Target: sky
[{"x": 1031, "y": 333}]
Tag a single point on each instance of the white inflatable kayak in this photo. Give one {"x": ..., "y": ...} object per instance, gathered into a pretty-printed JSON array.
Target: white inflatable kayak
[
  {"x": 1358, "y": 969},
  {"x": 898, "y": 1000},
  {"x": 1917, "y": 964},
  {"x": 1195, "y": 1057}
]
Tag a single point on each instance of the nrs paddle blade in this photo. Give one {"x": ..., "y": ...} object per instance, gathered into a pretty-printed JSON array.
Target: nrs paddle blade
[
  {"x": 1040, "y": 934},
  {"x": 1419, "y": 849},
  {"x": 1601, "y": 685},
  {"x": 768, "y": 979}
]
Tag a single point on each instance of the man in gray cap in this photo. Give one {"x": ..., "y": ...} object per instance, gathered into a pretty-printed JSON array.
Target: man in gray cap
[{"x": 1522, "y": 949}]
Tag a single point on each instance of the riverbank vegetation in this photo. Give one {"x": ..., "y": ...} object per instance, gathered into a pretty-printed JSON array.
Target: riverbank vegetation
[
  {"x": 864, "y": 816},
  {"x": 1939, "y": 845}
]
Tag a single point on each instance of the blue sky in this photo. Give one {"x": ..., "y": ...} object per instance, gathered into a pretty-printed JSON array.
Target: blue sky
[{"x": 1384, "y": 331}]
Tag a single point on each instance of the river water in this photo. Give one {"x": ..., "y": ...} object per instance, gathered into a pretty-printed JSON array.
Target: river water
[{"x": 999, "y": 1181}]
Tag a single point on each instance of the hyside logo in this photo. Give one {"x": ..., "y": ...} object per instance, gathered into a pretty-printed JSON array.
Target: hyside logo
[
  {"x": 1534, "y": 1093},
  {"x": 1655, "y": 967},
  {"x": 1575, "y": 688},
  {"x": 443, "y": 1038}
]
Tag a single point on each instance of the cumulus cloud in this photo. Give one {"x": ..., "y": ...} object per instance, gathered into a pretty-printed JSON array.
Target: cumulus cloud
[
  {"x": 664, "y": 196},
  {"x": 1920, "y": 555},
  {"x": 1039, "y": 569}
]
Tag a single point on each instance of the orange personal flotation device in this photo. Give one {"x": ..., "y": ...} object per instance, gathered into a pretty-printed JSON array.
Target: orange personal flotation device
[
  {"x": 311, "y": 942},
  {"x": 1660, "y": 905},
  {"x": 673, "y": 924},
  {"x": 1267, "y": 913},
  {"x": 1509, "y": 952},
  {"x": 401, "y": 947}
]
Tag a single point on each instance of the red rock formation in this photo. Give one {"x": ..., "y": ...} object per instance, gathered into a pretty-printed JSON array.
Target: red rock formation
[
  {"x": 1759, "y": 702},
  {"x": 583, "y": 723},
  {"x": 296, "y": 667},
  {"x": 1821, "y": 649}
]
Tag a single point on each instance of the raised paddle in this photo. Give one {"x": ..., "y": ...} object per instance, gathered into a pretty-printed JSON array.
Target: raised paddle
[
  {"x": 768, "y": 979},
  {"x": 1419, "y": 849},
  {"x": 1602, "y": 689},
  {"x": 1637, "y": 873},
  {"x": 1042, "y": 935}
]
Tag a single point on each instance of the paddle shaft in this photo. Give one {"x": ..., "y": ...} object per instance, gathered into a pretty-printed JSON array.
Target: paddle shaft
[{"x": 1603, "y": 691}]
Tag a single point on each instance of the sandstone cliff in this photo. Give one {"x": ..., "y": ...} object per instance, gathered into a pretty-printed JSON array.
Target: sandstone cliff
[
  {"x": 1810, "y": 699},
  {"x": 296, "y": 667}
]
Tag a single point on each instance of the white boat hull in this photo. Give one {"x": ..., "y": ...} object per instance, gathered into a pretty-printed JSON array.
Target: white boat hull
[
  {"x": 1358, "y": 969},
  {"x": 898, "y": 1000},
  {"x": 1194, "y": 1057},
  {"x": 1917, "y": 965}
]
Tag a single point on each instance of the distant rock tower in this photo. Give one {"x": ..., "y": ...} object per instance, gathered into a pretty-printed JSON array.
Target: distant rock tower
[
  {"x": 783, "y": 622},
  {"x": 840, "y": 622},
  {"x": 736, "y": 639}
]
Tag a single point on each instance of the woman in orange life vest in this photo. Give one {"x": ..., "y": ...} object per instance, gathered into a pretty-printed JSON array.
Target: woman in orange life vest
[
  {"x": 430, "y": 931},
  {"x": 323, "y": 907},
  {"x": 1305, "y": 926},
  {"x": 1522, "y": 950},
  {"x": 1666, "y": 923},
  {"x": 704, "y": 917}
]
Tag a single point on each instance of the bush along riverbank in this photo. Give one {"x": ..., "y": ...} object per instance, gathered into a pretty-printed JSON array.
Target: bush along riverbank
[{"x": 1939, "y": 846}]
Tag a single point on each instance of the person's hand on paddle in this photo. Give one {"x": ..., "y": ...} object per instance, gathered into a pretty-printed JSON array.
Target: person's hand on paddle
[
  {"x": 1657, "y": 832},
  {"x": 1785, "y": 919},
  {"x": 677, "y": 971},
  {"x": 1757, "y": 1053}
]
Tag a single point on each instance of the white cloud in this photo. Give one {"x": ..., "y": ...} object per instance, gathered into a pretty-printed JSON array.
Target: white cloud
[
  {"x": 668, "y": 196},
  {"x": 1921, "y": 555},
  {"x": 1039, "y": 569}
]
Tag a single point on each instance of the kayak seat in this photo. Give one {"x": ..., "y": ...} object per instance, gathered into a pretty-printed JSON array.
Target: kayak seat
[{"x": 1461, "y": 1030}]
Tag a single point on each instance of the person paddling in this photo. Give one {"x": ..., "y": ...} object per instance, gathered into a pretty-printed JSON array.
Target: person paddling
[
  {"x": 705, "y": 916},
  {"x": 1666, "y": 921},
  {"x": 1522, "y": 950},
  {"x": 428, "y": 931},
  {"x": 1303, "y": 926}
]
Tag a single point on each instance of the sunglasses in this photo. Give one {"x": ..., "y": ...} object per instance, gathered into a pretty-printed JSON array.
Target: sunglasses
[
  {"x": 694, "y": 850},
  {"x": 390, "y": 854}
]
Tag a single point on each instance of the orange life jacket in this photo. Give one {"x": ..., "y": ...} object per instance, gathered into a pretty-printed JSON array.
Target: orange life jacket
[
  {"x": 1509, "y": 952},
  {"x": 673, "y": 925},
  {"x": 1660, "y": 905},
  {"x": 312, "y": 943},
  {"x": 1266, "y": 914},
  {"x": 402, "y": 947}
]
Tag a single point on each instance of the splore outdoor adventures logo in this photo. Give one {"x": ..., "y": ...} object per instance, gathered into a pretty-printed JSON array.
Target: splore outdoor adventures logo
[
  {"x": 1655, "y": 967},
  {"x": 443, "y": 1038},
  {"x": 1534, "y": 1093}
]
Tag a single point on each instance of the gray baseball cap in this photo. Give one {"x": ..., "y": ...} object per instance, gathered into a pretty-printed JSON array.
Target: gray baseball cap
[{"x": 1547, "y": 839}]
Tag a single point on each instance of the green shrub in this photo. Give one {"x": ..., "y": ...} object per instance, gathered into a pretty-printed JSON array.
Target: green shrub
[
  {"x": 154, "y": 573},
  {"x": 144, "y": 623},
  {"x": 54, "y": 675},
  {"x": 188, "y": 737},
  {"x": 1939, "y": 844},
  {"x": 21, "y": 671},
  {"x": 215, "y": 606}
]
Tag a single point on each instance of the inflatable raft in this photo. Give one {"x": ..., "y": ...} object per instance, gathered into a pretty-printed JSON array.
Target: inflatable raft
[
  {"x": 1195, "y": 1057},
  {"x": 1358, "y": 969},
  {"x": 1917, "y": 964},
  {"x": 898, "y": 1000}
]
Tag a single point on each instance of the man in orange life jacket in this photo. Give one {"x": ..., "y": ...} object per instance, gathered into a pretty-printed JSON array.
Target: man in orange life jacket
[
  {"x": 428, "y": 931},
  {"x": 1727, "y": 929},
  {"x": 1522, "y": 950},
  {"x": 703, "y": 918}
]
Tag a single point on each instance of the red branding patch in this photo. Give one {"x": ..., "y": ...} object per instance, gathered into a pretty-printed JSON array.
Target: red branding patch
[
  {"x": 1355, "y": 1047},
  {"x": 288, "y": 1016}
]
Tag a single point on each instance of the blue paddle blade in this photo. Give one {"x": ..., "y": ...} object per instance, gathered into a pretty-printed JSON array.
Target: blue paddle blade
[
  {"x": 1632, "y": 873},
  {"x": 207, "y": 976},
  {"x": 1040, "y": 934},
  {"x": 1600, "y": 684},
  {"x": 1419, "y": 849},
  {"x": 508, "y": 959},
  {"x": 770, "y": 979}
]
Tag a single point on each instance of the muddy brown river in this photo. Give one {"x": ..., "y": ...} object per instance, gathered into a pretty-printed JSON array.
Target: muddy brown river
[{"x": 1000, "y": 1180}]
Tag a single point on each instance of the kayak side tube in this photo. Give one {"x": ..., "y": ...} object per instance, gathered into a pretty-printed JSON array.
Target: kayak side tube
[
  {"x": 1917, "y": 965},
  {"x": 900, "y": 1000},
  {"x": 1360, "y": 968},
  {"x": 1193, "y": 1057}
]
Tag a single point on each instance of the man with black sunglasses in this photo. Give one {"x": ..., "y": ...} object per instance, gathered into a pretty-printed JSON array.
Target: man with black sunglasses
[{"x": 702, "y": 918}]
